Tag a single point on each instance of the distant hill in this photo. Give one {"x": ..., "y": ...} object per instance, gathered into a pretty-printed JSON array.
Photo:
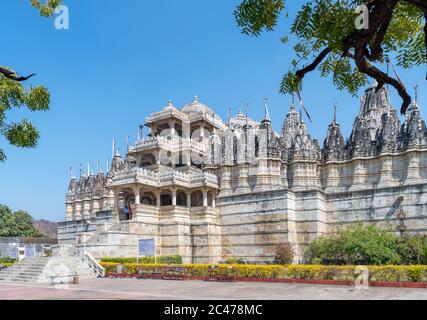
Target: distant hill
[{"x": 48, "y": 228}]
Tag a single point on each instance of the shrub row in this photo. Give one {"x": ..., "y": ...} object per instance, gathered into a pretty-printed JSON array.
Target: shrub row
[
  {"x": 4, "y": 260},
  {"x": 146, "y": 260},
  {"x": 6, "y": 264},
  {"x": 306, "y": 272}
]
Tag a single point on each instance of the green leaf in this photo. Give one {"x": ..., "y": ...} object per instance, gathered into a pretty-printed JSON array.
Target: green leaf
[{"x": 22, "y": 134}]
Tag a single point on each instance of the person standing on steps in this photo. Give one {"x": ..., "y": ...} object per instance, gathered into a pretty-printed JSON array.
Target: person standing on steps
[
  {"x": 130, "y": 212},
  {"x": 126, "y": 211}
]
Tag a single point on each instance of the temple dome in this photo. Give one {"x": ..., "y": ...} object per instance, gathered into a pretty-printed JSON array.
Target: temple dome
[
  {"x": 197, "y": 107},
  {"x": 169, "y": 106}
]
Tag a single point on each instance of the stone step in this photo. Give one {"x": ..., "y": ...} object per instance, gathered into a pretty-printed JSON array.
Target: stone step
[
  {"x": 23, "y": 278},
  {"x": 25, "y": 267},
  {"x": 19, "y": 280},
  {"x": 28, "y": 265},
  {"x": 21, "y": 272},
  {"x": 39, "y": 270}
]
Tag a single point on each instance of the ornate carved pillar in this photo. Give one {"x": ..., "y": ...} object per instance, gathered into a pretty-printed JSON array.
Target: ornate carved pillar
[
  {"x": 284, "y": 174},
  {"x": 243, "y": 179},
  {"x": 386, "y": 178},
  {"x": 78, "y": 210},
  {"x": 86, "y": 208},
  {"x": 358, "y": 175},
  {"x": 213, "y": 199},
  {"x": 225, "y": 180},
  {"x": 158, "y": 199},
  {"x": 172, "y": 127},
  {"x": 70, "y": 212},
  {"x": 136, "y": 191},
  {"x": 333, "y": 178},
  {"x": 174, "y": 197},
  {"x": 413, "y": 170},
  {"x": 95, "y": 206},
  {"x": 188, "y": 199},
  {"x": 205, "y": 198}
]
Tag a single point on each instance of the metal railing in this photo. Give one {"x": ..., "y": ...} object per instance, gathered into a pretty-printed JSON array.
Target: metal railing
[{"x": 94, "y": 265}]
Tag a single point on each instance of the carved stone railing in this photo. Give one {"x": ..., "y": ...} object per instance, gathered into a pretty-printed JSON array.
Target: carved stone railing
[
  {"x": 209, "y": 117},
  {"x": 204, "y": 178},
  {"x": 165, "y": 114},
  {"x": 147, "y": 177},
  {"x": 155, "y": 179},
  {"x": 174, "y": 144}
]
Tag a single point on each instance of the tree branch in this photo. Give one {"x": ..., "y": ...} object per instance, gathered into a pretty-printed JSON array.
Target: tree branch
[
  {"x": 425, "y": 33},
  {"x": 376, "y": 49},
  {"x": 311, "y": 67},
  {"x": 13, "y": 76},
  {"x": 364, "y": 66}
]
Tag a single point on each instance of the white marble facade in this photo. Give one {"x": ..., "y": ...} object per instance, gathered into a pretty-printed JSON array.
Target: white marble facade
[{"x": 210, "y": 190}]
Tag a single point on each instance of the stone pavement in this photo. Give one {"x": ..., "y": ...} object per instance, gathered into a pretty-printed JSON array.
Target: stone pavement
[{"x": 116, "y": 289}]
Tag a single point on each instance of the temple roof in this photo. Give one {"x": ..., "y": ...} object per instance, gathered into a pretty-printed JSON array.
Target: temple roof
[{"x": 197, "y": 107}]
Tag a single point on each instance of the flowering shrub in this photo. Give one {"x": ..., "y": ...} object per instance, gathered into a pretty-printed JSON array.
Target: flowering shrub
[
  {"x": 147, "y": 260},
  {"x": 7, "y": 260},
  {"x": 306, "y": 272}
]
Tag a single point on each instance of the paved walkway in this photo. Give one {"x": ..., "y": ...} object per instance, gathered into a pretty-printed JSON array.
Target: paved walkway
[{"x": 198, "y": 290}]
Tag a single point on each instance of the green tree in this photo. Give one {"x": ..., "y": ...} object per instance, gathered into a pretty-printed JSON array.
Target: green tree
[
  {"x": 328, "y": 39},
  {"x": 13, "y": 94},
  {"x": 357, "y": 245},
  {"x": 413, "y": 249},
  {"x": 17, "y": 224},
  {"x": 6, "y": 221}
]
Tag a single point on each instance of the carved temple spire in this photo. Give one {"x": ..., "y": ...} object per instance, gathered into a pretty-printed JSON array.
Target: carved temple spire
[
  {"x": 376, "y": 124},
  {"x": 295, "y": 140},
  {"x": 334, "y": 145},
  {"x": 413, "y": 131}
]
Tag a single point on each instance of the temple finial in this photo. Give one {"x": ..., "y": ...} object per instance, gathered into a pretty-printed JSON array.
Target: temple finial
[
  {"x": 141, "y": 133},
  {"x": 82, "y": 173},
  {"x": 246, "y": 111},
  {"x": 266, "y": 112},
  {"x": 416, "y": 93},
  {"x": 335, "y": 112},
  {"x": 71, "y": 174},
  {"x": 229, "y": 117},
  {"x": 113, "y": 153},
  {"x": 108, "y": 164},
  {"x": 293, "y": 102},
  {"x": 195, "y": 98}
]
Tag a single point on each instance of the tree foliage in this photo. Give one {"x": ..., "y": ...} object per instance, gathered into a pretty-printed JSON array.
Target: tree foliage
[
  {"x": 14, "y": 95},
  {"x": 46, "y": 8},
  {"x": 327, "y": 39},
  {"x": 367, "y": 245},
  {"x": 17, "y": 224}
]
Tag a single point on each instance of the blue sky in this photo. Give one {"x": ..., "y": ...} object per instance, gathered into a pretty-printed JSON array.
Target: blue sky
[{"x": 122, "y": 60}]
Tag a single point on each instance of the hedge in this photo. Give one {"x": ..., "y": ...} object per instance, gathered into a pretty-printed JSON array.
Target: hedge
[
  {"x": 146, "y": 260},
  {"x": 6, "y": 264},
  {"x": 306, "y": 272},
  {"x": 4, "y": 260}
]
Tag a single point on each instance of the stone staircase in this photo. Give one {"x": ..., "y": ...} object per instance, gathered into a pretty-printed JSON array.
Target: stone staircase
[
  {"x": 28, "y": 270},
  {"x": 41, "y": 270}
]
